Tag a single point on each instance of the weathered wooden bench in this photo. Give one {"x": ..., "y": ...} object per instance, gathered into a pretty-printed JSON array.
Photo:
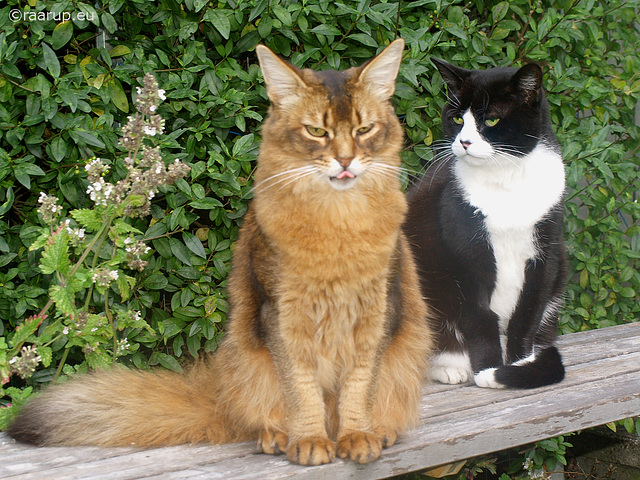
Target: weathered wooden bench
[{"x": 457, "y": 422}]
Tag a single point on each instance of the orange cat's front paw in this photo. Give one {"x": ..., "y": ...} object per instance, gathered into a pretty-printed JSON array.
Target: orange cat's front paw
[
  {"x": 311, "y": 451},
  {"x": 272, "y": 443},
  {"x": 388, "y": 436},
  {"x": 360, "y": 447}
]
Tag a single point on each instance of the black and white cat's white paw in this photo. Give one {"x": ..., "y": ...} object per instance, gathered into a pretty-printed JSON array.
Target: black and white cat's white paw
[
  {"x": 487, "y": 379},
  {"x": 451, "y": 368}
]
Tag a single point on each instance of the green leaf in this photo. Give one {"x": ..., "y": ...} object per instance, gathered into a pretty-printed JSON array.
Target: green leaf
[
  {"x": 364, "y": 39},
  {"x": 628, "y": 292},
  {"x": 154, "y": 231},
  {"x": 61, "y": 35},
  {"x": 118, "y": 97},
  {"x": 193, "y": 344},
  {"x": 81, "y": 136},
  {"x": 265, "y": 26},
  {"x": 155, "y": 281},
  {"x": 242, "y": 145},
  {"x": 194, "y": 244},
  {"x": 110, "y": 25},
  {"x": 50, "y": 61},
  {"x": 63, "y": 298},
  {"x": 180, "y": 251},
  {"x": 499, "y": 11},
  {"x": 163, "y": 247},
  {"x": 256, "y": 11},
  {"x": 206, "y": 203},
  {"x": 324, "y": 29},
  {"x": 55, "y": 256},
  {"x": 8, "y": 203},
  {"x": 303, "y": 23},
  {"x": 166, "y": 361},
  {"x": 121, "y": 227},
  {"x": 99, "y": 359},
  {"x": 283, "y": 15},
  {"x": 190, "y": 312},
  {"x": 24, "y": 331},
  {"x": 220, "y": 20},
  {"x": 125, "y": 284},
  {"x": 119, "y": 51},
  {"x": 58, "y": 148},
  {"x": 69, "y": 98}
]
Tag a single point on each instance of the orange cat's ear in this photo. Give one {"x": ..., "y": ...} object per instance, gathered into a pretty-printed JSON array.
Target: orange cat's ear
[
  {"x": 282, "y": 80},
  {"x": 381, "y": 72}
]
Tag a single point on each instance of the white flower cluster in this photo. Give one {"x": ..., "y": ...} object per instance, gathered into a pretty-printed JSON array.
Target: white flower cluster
[
  {"x": 529, "y": 466},
  {"x": 75, "y": 233},
  {"x": 100, "y": 191},
  {"x": 25, "y": 364},
  {"x": 103, "y": 277},
  {"x": 123, "y": 347},
  {"x": 49, "y": 208},
  {"x": 44, "y": 198},
  {"x": 135, "y": 250}
]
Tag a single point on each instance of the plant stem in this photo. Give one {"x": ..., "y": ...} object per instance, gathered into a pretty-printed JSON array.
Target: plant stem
[
  {"x": 60, "y": 365},
  {"x": 113, "y": 328}
]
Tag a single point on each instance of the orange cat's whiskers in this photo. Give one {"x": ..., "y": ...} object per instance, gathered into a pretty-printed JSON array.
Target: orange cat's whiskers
[
  {"x": 288, "y": 176},
  {"x": 296, "y": 178}
]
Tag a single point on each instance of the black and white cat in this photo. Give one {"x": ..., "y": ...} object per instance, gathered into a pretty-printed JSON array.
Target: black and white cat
[{"x": 485, "y": 225}]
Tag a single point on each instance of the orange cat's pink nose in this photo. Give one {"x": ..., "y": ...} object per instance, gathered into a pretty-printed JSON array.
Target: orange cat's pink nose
[{"x": 344, "y": 161}]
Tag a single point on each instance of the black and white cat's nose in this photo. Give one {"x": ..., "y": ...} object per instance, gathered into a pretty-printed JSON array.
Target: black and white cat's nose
[{"x": 465, "y": 143}]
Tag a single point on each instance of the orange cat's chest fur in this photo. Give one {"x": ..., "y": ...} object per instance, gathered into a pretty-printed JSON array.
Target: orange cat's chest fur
[{"x": 331, "y": 241}]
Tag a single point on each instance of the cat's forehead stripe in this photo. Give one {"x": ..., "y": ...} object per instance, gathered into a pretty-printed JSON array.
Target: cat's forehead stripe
[
  {"x": 334, "y": 82},
  {"x": 336, "y": 85}
]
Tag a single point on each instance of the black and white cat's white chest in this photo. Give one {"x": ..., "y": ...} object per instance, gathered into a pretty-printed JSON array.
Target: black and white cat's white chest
[{"x": 512, "y": 196}]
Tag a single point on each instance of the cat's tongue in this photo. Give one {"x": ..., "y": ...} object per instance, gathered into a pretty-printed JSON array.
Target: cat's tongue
[{"x": 345, "y": 174}]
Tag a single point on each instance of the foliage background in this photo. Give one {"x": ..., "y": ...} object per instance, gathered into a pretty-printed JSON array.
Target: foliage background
[{"x": 66, "y": 87}]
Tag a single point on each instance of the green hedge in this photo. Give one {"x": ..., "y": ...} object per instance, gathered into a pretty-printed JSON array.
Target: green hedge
[{"x": 63, "y": 98}]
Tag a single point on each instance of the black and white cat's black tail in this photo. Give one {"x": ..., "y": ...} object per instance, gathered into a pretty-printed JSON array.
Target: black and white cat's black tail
[{"x": 542, "y": 368}]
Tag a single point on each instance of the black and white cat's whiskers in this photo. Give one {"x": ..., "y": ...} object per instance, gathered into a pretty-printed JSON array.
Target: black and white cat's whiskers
[
  {"x": 390, "y": 171},
  {"x": 441, "y": 156}
]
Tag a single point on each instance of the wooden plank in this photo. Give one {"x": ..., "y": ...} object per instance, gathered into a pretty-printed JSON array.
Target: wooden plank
[{"x": 457, "y": 422}]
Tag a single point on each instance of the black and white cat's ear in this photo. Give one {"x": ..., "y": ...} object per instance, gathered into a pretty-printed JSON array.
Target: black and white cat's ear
[
  {"x": 453, "y": 76},
  {"x": 281, "y": 78},
  {"x": 528, "y": 82},
  {"x": 380, "y": 73}
]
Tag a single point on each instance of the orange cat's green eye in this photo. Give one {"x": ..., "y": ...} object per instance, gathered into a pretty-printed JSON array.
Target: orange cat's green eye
[
  {"x": 316, "y": 131},
  {"x": 491, "y": 122},
  {"x": 365, "y": 129},
  {"x": 458, "y": 120}
]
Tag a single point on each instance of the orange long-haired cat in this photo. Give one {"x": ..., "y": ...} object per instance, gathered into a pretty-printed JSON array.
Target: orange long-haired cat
[{"x": 328, "y": 335}]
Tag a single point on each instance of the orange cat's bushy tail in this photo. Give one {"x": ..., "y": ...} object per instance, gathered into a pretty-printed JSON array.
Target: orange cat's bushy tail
[{"x": 124, "y": 407}]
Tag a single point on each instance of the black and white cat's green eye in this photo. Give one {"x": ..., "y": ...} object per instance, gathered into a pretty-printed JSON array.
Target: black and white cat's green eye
[
  {"x": 365, "y": 129},
  {"x": 458, "y": 120},
  {"x": 316, "y": 131},
  {"x": 491, "y": 122}
]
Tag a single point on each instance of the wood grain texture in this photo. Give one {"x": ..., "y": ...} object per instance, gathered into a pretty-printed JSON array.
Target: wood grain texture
[{"x": 457, "y": 422}]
